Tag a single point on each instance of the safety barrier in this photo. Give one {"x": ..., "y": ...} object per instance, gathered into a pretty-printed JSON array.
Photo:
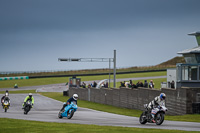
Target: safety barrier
[{"x": 14, "y": 78}]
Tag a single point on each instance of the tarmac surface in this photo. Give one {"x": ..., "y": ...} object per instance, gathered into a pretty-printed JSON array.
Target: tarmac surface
[{"x": 46, "y": 109}]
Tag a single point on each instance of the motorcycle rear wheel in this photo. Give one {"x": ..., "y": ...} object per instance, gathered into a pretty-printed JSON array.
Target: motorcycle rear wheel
[
  {"x": 159, "y": 118},
  {"x": 143, "y": 119},
  {"x": 59, "y": 115}
]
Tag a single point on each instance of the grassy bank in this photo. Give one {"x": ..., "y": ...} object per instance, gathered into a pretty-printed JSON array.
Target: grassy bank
[
  {"x": 24, "y": 126},
  {"x": 117, "y": 110},
  {"x": 46, "y": 81}
]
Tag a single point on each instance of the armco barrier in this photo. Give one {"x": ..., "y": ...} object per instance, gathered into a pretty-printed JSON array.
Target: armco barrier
[
  {"x": 14, "y": 78},
  {"x": 178, "y": 101}
]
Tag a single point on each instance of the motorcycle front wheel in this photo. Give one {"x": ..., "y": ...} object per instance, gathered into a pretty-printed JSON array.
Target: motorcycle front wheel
[
  {"x": 26, "y": 110},
  {"x": 69, "y": 115},
  {"x": 5, "y": 109},
  {"x": 159, "y": 118},
  {"x": 143, "y": 119}
]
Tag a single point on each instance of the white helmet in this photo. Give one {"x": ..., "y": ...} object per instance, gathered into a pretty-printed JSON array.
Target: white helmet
[
  {"x": 30, "y": 94},
  {"x": 75, "y": 96}
]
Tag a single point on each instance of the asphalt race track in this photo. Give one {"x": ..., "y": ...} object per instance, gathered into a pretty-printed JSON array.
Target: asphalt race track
[{"x": 46, "y": 109}]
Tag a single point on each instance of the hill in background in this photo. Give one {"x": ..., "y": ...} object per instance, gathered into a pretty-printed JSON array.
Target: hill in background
[
  {"x": 173, "y": 61},
  {"x": 165, "y": 65}
]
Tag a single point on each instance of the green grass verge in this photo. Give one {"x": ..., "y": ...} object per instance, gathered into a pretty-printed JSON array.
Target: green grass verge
[
  {"x": 117, "y": 110},
  {"x": 46, "y": 81},
  {"x": 24, "y": 126}
]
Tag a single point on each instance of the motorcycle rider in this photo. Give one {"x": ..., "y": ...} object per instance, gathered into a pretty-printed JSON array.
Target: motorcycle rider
[
  {"x": 73, "y": 98},
  {"x": 29, "y": 97},
  {"x": 5, "y": 97},
  {"x": 153, "y": 105}
]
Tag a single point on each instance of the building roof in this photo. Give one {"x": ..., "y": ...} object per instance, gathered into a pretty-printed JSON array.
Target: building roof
[
  {"x": 194, "y": 50},
  {"x": 195, "y": 33}
]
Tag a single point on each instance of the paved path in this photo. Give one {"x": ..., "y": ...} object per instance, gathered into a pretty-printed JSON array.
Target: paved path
[{"x": 46, "y": 109}]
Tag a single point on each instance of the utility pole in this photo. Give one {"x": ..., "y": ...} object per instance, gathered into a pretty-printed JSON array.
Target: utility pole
[{"x": 114, "y": 73}]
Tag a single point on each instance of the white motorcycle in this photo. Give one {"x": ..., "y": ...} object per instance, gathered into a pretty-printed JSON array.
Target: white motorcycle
[{"x": 147, "y": 117}]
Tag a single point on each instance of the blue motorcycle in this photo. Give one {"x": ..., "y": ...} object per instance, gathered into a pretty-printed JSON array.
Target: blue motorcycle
[{"x": 68, "y": 111}]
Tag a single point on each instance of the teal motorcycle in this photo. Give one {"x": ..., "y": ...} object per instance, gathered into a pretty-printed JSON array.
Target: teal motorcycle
[{"x": 68, "y": 111}]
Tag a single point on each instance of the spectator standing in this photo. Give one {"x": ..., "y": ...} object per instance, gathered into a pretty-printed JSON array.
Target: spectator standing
[
  {"x": 83, "y": 85},
  {"x": 139, "y": 84},
  {"x": 126, "y": 84},
  {"x": 106, "y": 85},
  {"x": 122, "y": 84},
  {"x": 133, "y": 86},
  {"x": 131, "y": 82},
  {"x": 145, "y": 84},
  {"x": 89, "y": 85},
  {"x": 102, "y": 85},
  {"x": 151, "y": 84},
  {"x": 172, "y": 84},
  {"x": 94, "y": 84}
]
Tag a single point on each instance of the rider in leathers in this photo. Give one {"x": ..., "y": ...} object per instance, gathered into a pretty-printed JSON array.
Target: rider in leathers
[
  {"x": 29, "y": 97},
  {"x": 5, "y": 97},
  {"x": 73, "y": 98},
  {"x": 158, "y": 101}
]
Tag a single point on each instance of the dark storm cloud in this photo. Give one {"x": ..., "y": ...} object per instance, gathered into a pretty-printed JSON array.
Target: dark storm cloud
[
  {"x": 19, "y": 15},
  {"x": 34, "y": 33}
]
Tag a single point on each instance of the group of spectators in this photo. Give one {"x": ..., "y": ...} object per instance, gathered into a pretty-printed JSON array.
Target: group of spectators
[
  {"x": 127, "y": 84},
  {"x": 94, "y": 84},
  {"x": 130, "y": 84}
]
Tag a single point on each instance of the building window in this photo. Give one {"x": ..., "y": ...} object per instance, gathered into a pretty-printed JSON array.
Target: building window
[
  {"x": 189, "y": 72},
  {"x": 192, "y": 72},
  {"x": 198, "y": 98},
  {"x": 185, "y": 73}
]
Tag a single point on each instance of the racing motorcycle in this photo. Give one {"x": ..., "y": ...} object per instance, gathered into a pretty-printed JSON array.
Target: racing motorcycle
[
  {"x": 28, "y": 106},
  {"x": 5, "y": 105},
  {"x": 68, "y": 111},
  {"x": 147, "y": 117}
]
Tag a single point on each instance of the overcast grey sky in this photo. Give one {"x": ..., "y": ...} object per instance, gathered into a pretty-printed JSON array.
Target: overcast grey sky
[{"x": 35, "y": 33}]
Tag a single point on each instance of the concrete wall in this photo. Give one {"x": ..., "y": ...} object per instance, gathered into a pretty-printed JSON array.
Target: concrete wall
[
  {"x": 191, "y": 98},
  {"x": 178, "y": 101}
]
